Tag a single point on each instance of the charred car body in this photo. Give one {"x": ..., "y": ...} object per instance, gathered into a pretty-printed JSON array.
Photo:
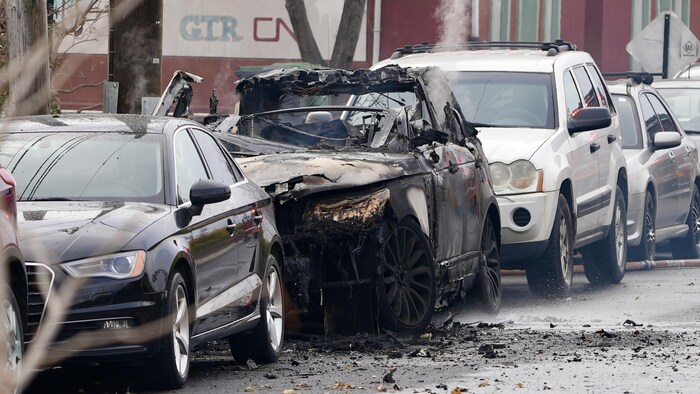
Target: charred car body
[{"x": 383, "y": 202}]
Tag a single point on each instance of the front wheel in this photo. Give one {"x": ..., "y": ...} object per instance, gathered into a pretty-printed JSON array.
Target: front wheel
[
  {"x": 647, "y": 245},
  {"x": 688, "y": 247},
  {"x": 553, "y": 274},
  {"x": 406, "y": 287},
  {"x": 11, "y": 321},
  {"x": 487, "y": 289},
  {"x": 170, "y": 367},
  {"x": 264, "y": 343},
  {"x": 604, "y": 262}
]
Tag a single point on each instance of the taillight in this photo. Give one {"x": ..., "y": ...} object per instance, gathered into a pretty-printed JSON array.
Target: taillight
[{"x": 9, "y": 204}]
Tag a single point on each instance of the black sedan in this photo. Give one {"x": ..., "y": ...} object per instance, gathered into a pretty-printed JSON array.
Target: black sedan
[{"x": 149, "y": 235}]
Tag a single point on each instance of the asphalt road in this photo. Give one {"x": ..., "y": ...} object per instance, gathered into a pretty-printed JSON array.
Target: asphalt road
[{"x": 638, "y": 336}]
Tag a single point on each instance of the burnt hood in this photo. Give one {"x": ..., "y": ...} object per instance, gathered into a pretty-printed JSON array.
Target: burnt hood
[
  {"x": 58, "y": 231},
  {"x": 310, "y": 172}
]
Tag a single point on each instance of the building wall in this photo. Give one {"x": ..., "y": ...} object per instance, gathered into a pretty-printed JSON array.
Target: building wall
[{"x": 601, "y": 27}]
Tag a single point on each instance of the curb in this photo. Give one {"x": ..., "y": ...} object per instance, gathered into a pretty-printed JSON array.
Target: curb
[{"x": 645, "y": 265}]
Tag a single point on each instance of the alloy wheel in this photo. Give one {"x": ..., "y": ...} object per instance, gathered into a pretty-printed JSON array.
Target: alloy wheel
[
  {"x": 273, "y": 312},
  {"x": 181, "y": 332}
]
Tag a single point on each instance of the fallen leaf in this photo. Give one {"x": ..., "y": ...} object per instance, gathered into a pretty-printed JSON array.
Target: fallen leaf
[
  {"x": 249, "y": 389},
  {"x": 485, "y": 383},
  {"x": 520, "y": 385}
]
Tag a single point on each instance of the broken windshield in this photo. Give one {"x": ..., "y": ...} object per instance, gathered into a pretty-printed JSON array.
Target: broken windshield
[{"x": 319, "y": 127}]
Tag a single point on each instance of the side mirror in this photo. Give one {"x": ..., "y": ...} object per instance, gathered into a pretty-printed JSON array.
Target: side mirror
[
  {"x": 666, "y": 139},
  {"x": 589, "y": 118},
  {"x": 206, "y": 191}
]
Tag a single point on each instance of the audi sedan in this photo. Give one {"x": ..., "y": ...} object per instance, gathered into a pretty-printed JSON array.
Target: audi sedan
[{"x": 148, "y": 238}]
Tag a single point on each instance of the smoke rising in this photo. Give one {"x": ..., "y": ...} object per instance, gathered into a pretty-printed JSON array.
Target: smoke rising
[{"x": 455, "y": 21}]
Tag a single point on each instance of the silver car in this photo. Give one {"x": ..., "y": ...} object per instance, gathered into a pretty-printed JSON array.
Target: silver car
[{"x": 662, "y": 165}]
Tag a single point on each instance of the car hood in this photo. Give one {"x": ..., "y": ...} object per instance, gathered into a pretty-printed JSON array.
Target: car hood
[
  {"x": 509, "y": 144},
  {"x": 304, "y": 173},
  {"x": 57, "y": 231}
]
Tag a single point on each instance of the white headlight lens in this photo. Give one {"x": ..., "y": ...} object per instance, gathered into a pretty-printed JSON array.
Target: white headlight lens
[
  {"x": 523, "y": 174},
  {"x": 115, "y": 266},
  {"x": 500, "y": 175}
]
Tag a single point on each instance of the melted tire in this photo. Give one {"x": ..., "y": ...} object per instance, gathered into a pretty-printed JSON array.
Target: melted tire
[
  {"x": 687, "y": 247},
  {"x": 264, "y": 343},
  {"x": 487, "y": 289},
  {"x": 406, "y": 287},
  {"x": 553, "y": 273},
  {"x": 605, "y": 261}
]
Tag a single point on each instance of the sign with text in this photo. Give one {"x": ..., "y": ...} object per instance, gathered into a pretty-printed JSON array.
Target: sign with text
[
  {"x": 648, "y": 46},
  {"x": 234, "y": 28}
]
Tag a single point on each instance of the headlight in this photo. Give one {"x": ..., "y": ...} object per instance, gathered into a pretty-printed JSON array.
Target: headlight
[
  {"x": 115, "y": 266},
  {"x": 519, "y": 176}
]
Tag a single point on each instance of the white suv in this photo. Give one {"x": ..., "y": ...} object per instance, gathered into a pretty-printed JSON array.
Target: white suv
[{"x": 551, "y": 133}]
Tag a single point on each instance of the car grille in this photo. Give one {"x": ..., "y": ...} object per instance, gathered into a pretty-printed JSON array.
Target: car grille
[{"x": 39, "y": 284}]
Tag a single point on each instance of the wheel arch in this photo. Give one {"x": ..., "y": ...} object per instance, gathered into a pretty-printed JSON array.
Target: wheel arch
[
  {"x": 566, "y": 189},
  {"x": 623, "y": 184},
  {"x": 18, "y": 285},
  {"x": 495, "y": 217}
]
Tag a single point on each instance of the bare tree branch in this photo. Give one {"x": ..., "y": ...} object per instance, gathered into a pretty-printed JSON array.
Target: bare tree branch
[
  {"x": 302, "y": 30},
  {"x": 348, "y": 33},
  {"x": 82, "y": 85}
]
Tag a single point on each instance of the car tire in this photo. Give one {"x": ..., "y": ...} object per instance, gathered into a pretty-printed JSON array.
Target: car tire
[
  {"x": 553, "y": 274},
  {"x": 406, "y": 285},
  {"x": 647, "y": 244},
  {"x": 264, "y": 343},
  {"x": 171, "y": 365},
  {"x": 605, "y": 261},
  {"x": 487, "y": 288},
  {"x": 14, "y": 345},
  {"x": 688, "y": 247}
]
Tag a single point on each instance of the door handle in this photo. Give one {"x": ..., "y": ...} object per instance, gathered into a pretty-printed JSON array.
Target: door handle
[
  {"x": 672, "y": 155},
  {"x": 257, "y": 219},
  {"x": 611, "y": 138},
  {"x": 594, "y": 147}
]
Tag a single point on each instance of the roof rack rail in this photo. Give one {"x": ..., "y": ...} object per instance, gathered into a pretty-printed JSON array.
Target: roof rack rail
[
  {"x": 552, "y": 48},
  {"x": 636, "y": 77}
]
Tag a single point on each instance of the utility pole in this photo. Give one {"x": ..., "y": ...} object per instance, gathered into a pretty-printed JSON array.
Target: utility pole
[{"x": 135, "y": 53}]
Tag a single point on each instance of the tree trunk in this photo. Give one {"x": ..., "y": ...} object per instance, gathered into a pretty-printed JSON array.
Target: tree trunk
[
  {"x": 28, "y": 50},
  {"x": 137, "y": 53},
  {"x": 348, "y": 33},
  {"x": 302, "y": 30}
]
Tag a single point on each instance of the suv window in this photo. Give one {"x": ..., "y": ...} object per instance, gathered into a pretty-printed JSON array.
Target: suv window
[
  {"x": 662, "y": 113},
  {"x": 573, "y": 100},
  {"x": 590, "y": 97},
  {"x": 599, "y": 87},
  {"x": 518, "y": 99}
]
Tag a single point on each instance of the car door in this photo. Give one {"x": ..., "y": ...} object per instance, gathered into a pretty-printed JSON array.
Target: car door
[
  {"x": 665, "y": 167},
  {"x": 212, "y": 245},
  {"x": 585, "y": 162},
  {"x": 682, "y": 156}
]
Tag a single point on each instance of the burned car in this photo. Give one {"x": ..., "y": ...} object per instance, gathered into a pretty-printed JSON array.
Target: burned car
[{"x": 382, "y": 193}]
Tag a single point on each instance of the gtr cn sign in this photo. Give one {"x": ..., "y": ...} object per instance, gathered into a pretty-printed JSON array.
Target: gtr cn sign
[{"x": 648, "y": 46}]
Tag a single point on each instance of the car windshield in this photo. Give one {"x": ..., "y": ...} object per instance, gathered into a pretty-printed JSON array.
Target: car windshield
[
  {"x": 685, "y": 104},
  {"x": 317, "y": 127},
  {"x": 505, "y": 99},
  {"x": 629, "y": 125},
  {"x": 84, "y": 166}
]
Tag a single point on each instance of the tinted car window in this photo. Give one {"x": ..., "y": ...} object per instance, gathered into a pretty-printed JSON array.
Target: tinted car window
[
  {"x": 219, "y": 165},
  {"x": 629, "y": 125},
  {"x": 590, "y": 97},
  {"x": 685, "y": 105},
  {"x": 505, "y": 99},
  {"x": 662, "y": 113},
  {"x": 85, "y": 166},
  {"x": 188, "y": 165},
  {"x": 650, "y": 119},
  {"x": 573, "y": 100},
  {"x": 599, "y": 87}
]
